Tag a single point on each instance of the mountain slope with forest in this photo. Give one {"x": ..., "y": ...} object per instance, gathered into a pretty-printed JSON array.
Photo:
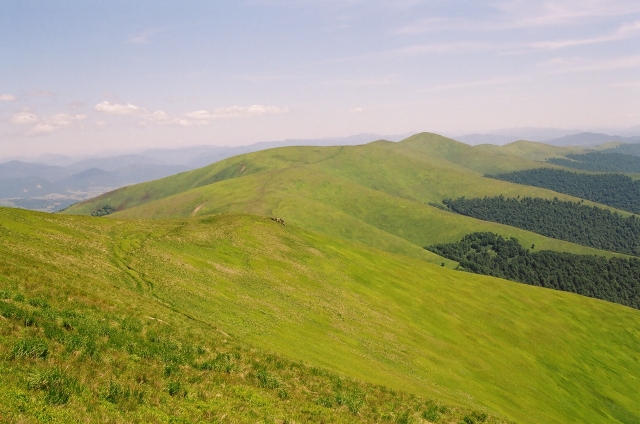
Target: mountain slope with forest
[{"x": 386, "y": 195}]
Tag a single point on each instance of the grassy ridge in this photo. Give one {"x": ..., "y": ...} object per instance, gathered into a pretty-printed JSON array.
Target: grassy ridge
[
  {"x": 480, "y": 343},
  {"x": 377, "y": 194}
]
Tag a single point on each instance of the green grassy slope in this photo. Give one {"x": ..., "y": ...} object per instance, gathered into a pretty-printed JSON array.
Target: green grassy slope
[
  {"x": 377, "y": 194},
  {"x": 530, "y": 354}
]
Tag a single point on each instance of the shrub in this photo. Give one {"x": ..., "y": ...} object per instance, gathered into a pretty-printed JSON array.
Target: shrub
[
  {"x": 105, "y": 210},
  {"x": 31, "y": 348}
]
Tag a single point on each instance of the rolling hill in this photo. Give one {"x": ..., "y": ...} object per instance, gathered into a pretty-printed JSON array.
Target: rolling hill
[
  {"x": 383, "y": 330},
  {"x": 383, "y": 194},
  {"x": 154, "y": 320}
]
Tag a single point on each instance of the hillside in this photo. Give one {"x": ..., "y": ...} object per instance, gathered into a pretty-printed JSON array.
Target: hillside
[
  {"x": 382, "y": 194},
  {"x": 201, "y": 287}
]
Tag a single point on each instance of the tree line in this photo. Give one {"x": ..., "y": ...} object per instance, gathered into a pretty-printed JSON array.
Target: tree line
[
  {"x": 615, "y": 190},
  {"x": 615, "y": 280},
  {"x": 574, "y": 222},
  {"x": 599, "y": 162}
]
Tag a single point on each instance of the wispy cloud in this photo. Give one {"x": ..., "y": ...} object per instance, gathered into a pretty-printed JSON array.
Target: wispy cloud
[
  {"x": 144, "y": 37},
  {"x": 41, "y": 93},
  {"x": 203, "y": 117},
  {"x": 505, "y": 15},
  {"x": 117, "y": 109},
  {"x": 625, "y": 31},
  {"x": 356, "y": 110},
  {"x": 534, "y": 13},
  {"x": 576, "y": 65},
  {"x": 44, "y": 125},
  {"x": 7, "y": 98},
  {"x": 24, "y": 117},
  {"x": 198, "y": 117},
  {"x": 477, "y": 83}
]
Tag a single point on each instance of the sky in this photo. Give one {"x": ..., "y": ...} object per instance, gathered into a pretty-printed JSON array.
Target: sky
[{"x": 79, "y": 77}]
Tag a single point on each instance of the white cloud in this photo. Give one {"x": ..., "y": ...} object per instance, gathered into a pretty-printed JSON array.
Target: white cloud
[
  {"x": 117, "y": 109},
  {"x": 203, "y": 117},
  {"x": 100, "y": 124},
  {"x": 246, "y": 111},
  {"x": 158, "y": 115},
  {"x": 356, "y": 110},
  {"x": 63, "y": 119},
  {"x": 198, "y": 117},
  {"x": 7, "y": 98},
  {"x": 24, "y": 117},
  {"x": 47, "y": 124},
  {"x": 41, "y": 129}
]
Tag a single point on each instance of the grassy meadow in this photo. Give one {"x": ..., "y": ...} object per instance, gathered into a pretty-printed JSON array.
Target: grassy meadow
[{"x": 236, "y": 318}]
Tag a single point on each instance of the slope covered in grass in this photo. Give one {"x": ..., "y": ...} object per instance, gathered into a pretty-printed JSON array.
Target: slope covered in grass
[
  {"x": 205, "y": 285},
  {"x": 380, "y": 194}
]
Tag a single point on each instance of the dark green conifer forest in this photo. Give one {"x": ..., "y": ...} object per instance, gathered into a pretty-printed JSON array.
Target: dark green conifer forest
[
  {"x": 616, "y": 279},
  {"x": 574, "y": 222},
  {"x": 599, "y": 162},
  {"x": 615, "y": 190}
]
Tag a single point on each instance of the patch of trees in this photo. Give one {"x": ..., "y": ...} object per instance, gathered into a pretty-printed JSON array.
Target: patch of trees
[
  {"x": 615, "y": 280},
  {"x": 574, "y": 222},
  {"x": 599, "y": 162},
  {"x": 629, "y": 149},
  {"x": 615, "y": 190},
  {"x": 105, "y": 210}
]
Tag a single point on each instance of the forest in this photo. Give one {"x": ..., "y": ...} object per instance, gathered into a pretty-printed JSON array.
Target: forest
[
  {"x": 574, "y": 222},
  {"x": 615, "y": 280},
  {"x": 629, "y": 149},
  {"x": 600, "y": 162},
  {"x": 615, "y": 190}
]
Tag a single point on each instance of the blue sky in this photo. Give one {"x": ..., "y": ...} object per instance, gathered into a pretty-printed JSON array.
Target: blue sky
[{"x": 87, "y": 76}]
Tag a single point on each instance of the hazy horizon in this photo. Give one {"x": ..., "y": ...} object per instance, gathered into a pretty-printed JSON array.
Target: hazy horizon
[{"x": 83, "y": 79}]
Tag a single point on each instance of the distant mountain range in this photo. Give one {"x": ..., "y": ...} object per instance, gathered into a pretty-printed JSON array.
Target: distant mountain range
[
  {"x": 553, "y": 136},
  {"x": 53, "y": 182}
]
